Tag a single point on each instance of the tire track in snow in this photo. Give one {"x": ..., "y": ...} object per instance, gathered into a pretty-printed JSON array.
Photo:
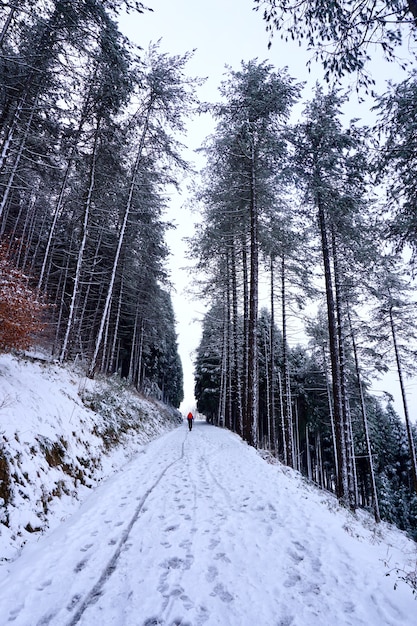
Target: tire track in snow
[{"x": 95, "y": 592}]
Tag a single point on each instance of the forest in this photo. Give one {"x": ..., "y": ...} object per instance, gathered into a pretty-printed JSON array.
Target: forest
[
  {"x": 88, "y": 144},
  {"x": 313, "y": 220}
]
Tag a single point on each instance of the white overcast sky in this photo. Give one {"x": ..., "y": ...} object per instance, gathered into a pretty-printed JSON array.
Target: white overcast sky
[{"x": 222, "y": 33}]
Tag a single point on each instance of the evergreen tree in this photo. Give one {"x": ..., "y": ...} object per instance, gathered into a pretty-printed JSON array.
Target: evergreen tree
[
  {"x": 397, "y": 160},
  {"x": 330, "y": 166},
  {"x": 87, "y": 215},
  {"x": 208, "y": 365},
  {"x": 249, "y": 141},
  {"x": 394, "y": 315}
]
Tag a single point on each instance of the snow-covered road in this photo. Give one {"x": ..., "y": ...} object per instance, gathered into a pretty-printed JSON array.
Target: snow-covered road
[{"x": 199, "y": 529}]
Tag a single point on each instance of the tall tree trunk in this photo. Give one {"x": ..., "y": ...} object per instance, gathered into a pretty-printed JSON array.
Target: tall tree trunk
[
  {"x": 319, "y": 461},
  {"x": 43, "y": 54},
  {"x": 296, "y": 439},
  {"x": 308, "y": 455},
  {"x": 11, "y": 177},
  {"x": 60, "y": 200},
  {"x": 251, "y": 430},
  {"x": 342, "y": 485},
  {"x": 229, "y": 379},
  {"x": 130, "y": 376},
  {"x": 90, "y": 277},
  {"x": 347, "y": 424},
  {"x": 121, "y": 239},
  {"x": 288, "y": 419},
  {"x": 283, "y": 429},
  {"x": 223, "y": 375},
  {"x": 83, "y": 244},
  {"x": 272, "y": 374},
  {"x": 245, "y": 279},
  {"x": 365, "y": 425},
  {"x": 60, "y": 296},
  {"x": 267, "y": 342},
  {"x": 405, "y": 405},
  {"x": 140, "y": 356},
  {"x": 237, "y": 382},
  {"x": 330, "y": 403},
  {"x": 6, "y": 24}
]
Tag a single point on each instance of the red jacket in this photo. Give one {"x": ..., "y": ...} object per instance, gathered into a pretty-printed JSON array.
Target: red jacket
[{"x": 190, "y": 416}]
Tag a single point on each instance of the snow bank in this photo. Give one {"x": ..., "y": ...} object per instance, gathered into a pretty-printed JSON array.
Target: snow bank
[{"x": 60, "y": 434}]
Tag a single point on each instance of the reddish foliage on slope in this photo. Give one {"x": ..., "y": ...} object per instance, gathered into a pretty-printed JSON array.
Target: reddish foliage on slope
[{"x": 20, "y": 307}]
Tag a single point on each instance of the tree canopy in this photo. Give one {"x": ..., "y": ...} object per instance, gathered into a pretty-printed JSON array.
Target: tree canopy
[{"x": 343, "y": 33}]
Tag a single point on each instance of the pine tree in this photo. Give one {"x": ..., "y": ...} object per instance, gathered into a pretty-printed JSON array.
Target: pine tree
[
  {"x": 397, "y": 160},
  {"x": 248, "y": 142},
  {"x": 330, "y": 166}
]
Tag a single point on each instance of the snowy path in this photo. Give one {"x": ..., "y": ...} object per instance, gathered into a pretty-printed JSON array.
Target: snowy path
[{"x": 198, "y": 529}]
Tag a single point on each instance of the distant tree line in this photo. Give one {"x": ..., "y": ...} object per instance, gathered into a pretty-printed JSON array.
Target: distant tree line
[
  {"x": 295, "y": 227},
  {"x": 88, "y": 145}
]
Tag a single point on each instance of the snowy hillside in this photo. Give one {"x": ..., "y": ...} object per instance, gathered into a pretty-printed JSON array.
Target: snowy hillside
[
  {"x": 60, "y": 434},
  {"x": 196, "y": 528}
]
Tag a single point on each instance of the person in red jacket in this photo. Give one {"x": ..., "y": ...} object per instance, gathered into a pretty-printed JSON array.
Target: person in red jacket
[{"x": 190, "y": 420}]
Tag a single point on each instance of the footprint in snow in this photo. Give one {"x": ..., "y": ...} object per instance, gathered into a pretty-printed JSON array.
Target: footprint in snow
[
  {"x": 15, "y": 612},
  {"x": 188, "y": 604},
  {"x": 292, "y": 580},
  {"x": 169, "y": 529},
  {"x": 176, "y": 591},
  {"x": 202, "y": 616},
  {"x": 189, "y": 560},
  {"x": 86, "y": 547},
  {"x": 315, "y": 564},
  {"x": 46, "y": 620},
  {"x": 211, "y": 574},
  {"x": 221, "y": 591},
  {"x": 163, "y": 585},
  {"x": 174, "y": 563},
  {"x": 213, "y": 544},
  {"x": 80, "y": 566},
  {"x": 45, "y": 584},
  {"x": 74, "y": 601},
  {"x": 221, "y": 556},
  {"x": 297, "y": 558}
]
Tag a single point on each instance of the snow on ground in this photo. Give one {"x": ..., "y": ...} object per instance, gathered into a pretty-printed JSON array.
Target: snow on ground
[
  {"x": 199, "y": 529},
  {"x": 54, "y": 447}
]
